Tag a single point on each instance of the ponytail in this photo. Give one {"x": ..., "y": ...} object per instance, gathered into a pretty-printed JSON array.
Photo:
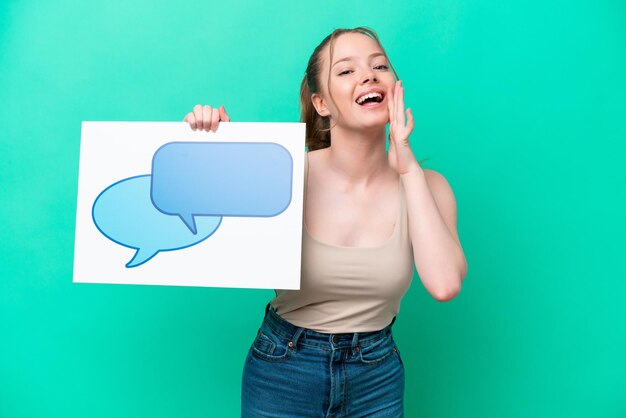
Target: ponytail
[{"x": 317, "y": 130}]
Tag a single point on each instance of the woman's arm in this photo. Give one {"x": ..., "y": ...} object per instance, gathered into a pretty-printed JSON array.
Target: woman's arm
[
  {"x": 437, "y": 251},
  {"x": 431, "y": 207}
]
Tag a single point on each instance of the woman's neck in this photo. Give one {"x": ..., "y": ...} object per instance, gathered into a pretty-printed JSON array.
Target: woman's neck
[{"x": 358, "y": 156}]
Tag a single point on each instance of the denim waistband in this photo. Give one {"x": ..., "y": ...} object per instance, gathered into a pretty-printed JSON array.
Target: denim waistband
[{"x": 293, "y": 332}]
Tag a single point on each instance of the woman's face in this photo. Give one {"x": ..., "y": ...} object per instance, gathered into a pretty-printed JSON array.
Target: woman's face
[{"x": 358, "y": 66}]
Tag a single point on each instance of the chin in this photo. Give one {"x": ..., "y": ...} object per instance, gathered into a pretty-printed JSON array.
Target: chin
[
  {"x": 372, "y": 123},
  {"x": 373, "y": 119}
]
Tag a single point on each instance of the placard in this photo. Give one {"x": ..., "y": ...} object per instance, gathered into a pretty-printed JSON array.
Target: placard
[{"x": 161, "y": 204}]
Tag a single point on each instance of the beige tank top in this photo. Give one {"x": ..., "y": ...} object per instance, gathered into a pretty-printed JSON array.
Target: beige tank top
[{"x": 350, "y": 289}]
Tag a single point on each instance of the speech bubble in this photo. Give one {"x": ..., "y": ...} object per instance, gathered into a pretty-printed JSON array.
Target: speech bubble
[
  {"x": 124, "y": 213},
  {"x": 221, "y": 179}
]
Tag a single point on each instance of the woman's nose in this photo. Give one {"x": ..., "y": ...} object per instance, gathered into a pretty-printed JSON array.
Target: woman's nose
[{"x": 369, "y": 76}]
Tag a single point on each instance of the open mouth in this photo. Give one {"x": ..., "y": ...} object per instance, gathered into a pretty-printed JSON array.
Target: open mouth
[{"x": 370, "y": 98}]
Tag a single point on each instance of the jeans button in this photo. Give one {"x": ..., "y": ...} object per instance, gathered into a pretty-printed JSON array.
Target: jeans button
[{"x": 335, "y": 339}]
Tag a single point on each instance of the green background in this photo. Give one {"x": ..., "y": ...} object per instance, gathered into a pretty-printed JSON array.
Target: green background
[{"x": 521, "y": 105}]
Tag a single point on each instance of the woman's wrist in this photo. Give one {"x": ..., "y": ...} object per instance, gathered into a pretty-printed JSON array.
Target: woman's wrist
[{"x": 412, "y": 171}]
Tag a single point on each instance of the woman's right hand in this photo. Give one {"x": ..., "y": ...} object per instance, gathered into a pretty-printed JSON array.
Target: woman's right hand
[{"x": 206, "y": 117}]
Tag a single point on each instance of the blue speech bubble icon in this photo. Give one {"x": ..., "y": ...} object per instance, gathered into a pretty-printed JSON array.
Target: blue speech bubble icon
[
  {"x": 221, "y": 179},
  {"x": 124, "y": 213}
]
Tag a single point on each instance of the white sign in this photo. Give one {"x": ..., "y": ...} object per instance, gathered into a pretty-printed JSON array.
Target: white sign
[{"x": 161, "y": 204}]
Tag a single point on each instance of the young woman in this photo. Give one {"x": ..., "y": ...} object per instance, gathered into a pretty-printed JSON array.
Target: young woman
[{"x": 370, "y": 216}]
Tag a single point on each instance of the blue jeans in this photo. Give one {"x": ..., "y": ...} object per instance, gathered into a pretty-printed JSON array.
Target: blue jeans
[{"x": 296, "y": 372}]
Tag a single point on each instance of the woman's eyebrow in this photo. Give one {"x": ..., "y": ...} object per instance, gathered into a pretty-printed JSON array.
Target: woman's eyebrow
[{"x": 375, "y": 54}]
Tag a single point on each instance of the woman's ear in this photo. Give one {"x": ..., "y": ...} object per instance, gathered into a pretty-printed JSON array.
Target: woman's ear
[{"x": 320, "y": 105}]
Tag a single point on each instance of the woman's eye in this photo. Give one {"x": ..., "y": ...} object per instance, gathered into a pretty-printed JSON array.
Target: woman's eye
[
  {"x": 383, "y": 67},
  {"x": 344, "y": 72}
]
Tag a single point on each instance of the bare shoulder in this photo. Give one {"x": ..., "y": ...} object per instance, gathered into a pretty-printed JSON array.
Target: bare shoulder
[
  {"x": 314, "y": 157},
  {"x": 437, "y": 182}
]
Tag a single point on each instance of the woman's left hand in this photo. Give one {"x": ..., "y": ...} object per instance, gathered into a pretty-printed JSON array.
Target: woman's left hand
[{"x": 401, "y": 157}]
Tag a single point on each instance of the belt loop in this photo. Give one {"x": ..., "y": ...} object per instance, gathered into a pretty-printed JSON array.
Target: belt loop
[
  {"x": 296, "y": 336},
  {"x": 355, "y": 340}
]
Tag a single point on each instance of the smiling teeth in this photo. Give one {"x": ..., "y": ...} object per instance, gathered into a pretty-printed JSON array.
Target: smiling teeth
[{"x": 367, "y": 96}]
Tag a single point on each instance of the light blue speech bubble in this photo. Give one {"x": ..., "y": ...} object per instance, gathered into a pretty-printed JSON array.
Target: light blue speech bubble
[
  {"x": 221, "y": 179},
  {"x": 124, "y": 213}
]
